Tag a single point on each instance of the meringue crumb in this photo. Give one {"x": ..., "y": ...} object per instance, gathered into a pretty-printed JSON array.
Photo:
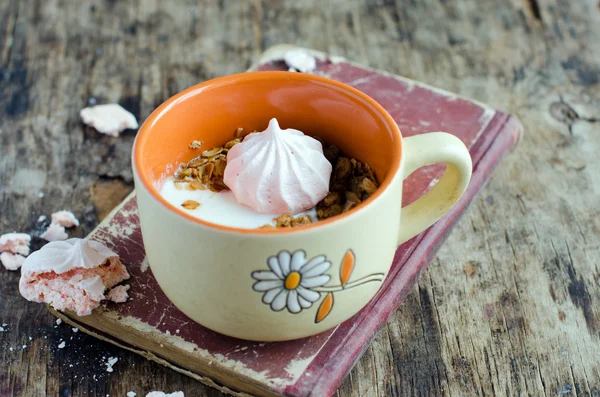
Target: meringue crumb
[
  {"x": 110, "y": 362},
  {"x": 75, "y": 330},
  {"x": 62, "y": 345},
  {"x": 300, "y": 60},
  {"x": 11, "y": 261},
  {"x": 196, "y": 144},
  {"x": 65, "y": 218},
  {"x": 15, "y": 243},
  {"x": 176, "y": 331},
  {"x": 2, "y": 329},
  {"x": 131, "y": 394},
  {"x": 41, "y": 218},
  {"x": 118, "y": 294},
  {"x": 55, "y": 232},
  {"x": 163, "y": 394},
  {"x": 110, "y": 119},
  {"x": 14, "y": 247},
  {"x": 58, "y": 321}
]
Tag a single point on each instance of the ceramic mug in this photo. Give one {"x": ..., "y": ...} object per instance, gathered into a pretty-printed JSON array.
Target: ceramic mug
[{"x": 281, "y": 284}]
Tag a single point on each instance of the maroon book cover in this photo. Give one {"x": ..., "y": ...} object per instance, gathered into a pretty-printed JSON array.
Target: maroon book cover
[{"x": 150, "y": 325}]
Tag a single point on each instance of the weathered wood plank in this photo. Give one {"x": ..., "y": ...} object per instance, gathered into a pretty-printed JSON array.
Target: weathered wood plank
[{"x": 510, "y": 305}]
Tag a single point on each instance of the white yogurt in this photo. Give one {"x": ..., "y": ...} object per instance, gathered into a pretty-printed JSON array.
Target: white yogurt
[{"x": 221, "y": 208}]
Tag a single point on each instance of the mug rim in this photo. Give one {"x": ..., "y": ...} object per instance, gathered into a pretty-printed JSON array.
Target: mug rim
[{"x": 233, "y": 79}]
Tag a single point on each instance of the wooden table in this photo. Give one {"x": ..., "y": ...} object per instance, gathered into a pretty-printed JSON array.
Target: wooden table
[{"x": 511, "y": 304}]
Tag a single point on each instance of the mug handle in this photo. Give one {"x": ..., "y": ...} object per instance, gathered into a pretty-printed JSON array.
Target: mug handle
[{"x": 430, "y": 148}]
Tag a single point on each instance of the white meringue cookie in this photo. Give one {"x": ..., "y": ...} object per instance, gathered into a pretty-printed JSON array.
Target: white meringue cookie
[{"x": 278, "y": 171}]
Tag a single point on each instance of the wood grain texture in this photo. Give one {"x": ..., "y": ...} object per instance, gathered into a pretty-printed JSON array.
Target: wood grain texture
[{"x": 510, "y": 306}]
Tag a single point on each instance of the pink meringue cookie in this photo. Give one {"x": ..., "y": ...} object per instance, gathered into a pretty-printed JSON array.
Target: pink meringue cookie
[
  {"x": 278, "y": 171},
  {"x": 71, "y": 274}
]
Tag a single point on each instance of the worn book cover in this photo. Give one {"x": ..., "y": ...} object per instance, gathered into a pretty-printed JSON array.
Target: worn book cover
[{"x": 150, "y": 325}]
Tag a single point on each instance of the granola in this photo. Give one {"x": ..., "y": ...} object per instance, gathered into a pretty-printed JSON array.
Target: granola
[
  {"x": 190, "y": 204},
  {"x": 196, "y": 144},
  {"x": 206, "y": 171},
  {"x": 287, "y": 220},
  {"x": 352, "y": 182}
]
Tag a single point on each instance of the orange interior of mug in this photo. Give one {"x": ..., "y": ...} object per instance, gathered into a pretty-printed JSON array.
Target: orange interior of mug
[{"x": 211, "y": 112}]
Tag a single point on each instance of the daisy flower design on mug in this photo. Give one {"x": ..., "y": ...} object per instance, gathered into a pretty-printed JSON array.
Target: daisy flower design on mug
[
  {"x": 291, "y": 280},
  {"x": 295, "y": 283}
]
